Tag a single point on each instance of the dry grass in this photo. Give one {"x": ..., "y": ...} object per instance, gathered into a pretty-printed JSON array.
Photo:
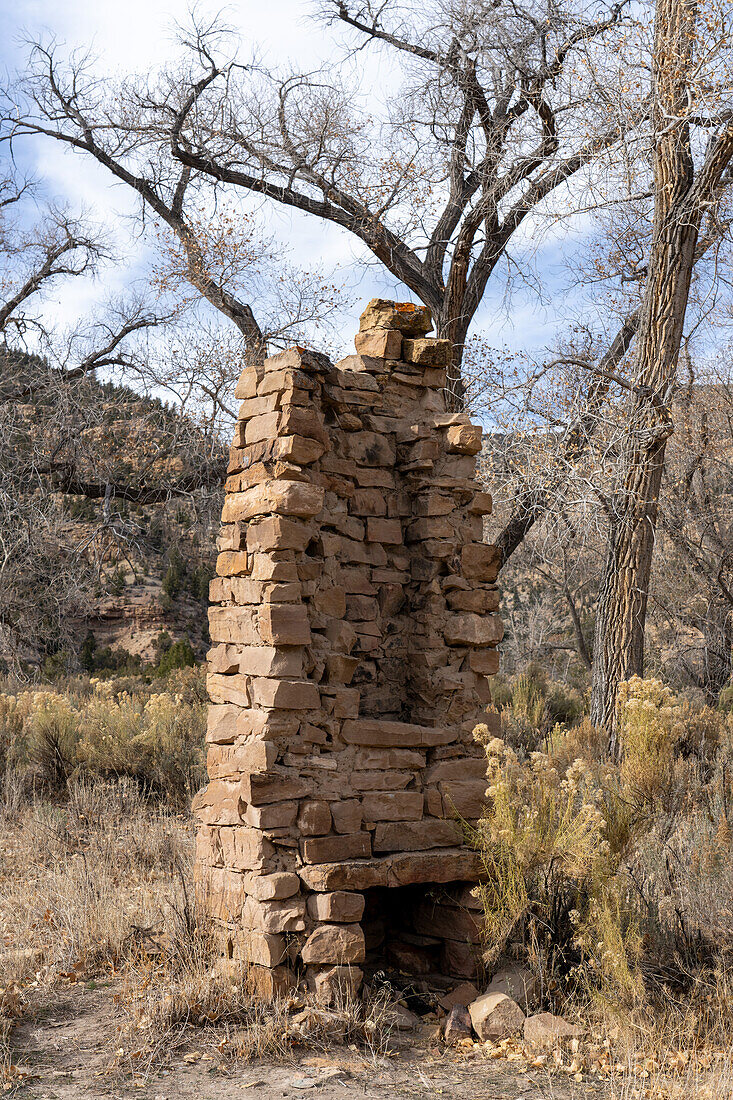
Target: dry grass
[
  {"x": 94, "y": 887},
  {"x": 84, "y": 882}
]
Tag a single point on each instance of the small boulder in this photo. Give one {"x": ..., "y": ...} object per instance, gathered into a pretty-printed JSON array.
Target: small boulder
[
  {"x": 544, "y": 1029},
  {"x": 404, "y": 1020},
  {"x": 457, "y": 1025},
  {"x": 517, "y": 982},
  {"x": 496, "y": 1016},
  {"x": 462, "y": 995}
]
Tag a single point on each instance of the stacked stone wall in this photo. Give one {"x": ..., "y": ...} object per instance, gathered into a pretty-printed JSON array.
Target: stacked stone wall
[{"x": 353, "y": 625}]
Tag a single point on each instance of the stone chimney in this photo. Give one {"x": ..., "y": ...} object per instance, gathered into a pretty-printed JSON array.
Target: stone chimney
[{"x": 353, "y": 627}]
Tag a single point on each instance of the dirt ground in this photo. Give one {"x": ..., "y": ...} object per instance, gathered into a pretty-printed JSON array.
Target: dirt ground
[{"x": 68, "y": 1054}]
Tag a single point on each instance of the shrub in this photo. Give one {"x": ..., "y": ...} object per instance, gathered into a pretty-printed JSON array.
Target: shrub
[
  {"x": 119, "y": 728},
  {"x": 616, "y": 875},
  {"x": 174, "y": 576},
  {"x": 178, "y": 655},
  {"x": 52, "y": 736},
  {"x": 158, "y": 741}
]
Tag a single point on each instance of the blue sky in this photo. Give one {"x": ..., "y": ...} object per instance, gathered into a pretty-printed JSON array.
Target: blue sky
[{"x": 136, "y": 35}]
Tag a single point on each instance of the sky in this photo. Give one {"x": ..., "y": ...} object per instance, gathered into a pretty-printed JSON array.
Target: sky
[{"x": 136, "y": 35}]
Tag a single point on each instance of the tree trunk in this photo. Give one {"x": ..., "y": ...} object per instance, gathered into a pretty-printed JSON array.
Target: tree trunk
[
  {"x": 455, "y": 330},
  {"x": 618, "y": 651}
]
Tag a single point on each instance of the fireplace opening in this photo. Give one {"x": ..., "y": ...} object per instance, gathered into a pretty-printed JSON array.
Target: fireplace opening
[{"x": 431, "y": 934}]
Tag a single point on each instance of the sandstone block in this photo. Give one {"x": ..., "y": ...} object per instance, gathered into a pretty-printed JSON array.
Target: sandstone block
[
  {"x": 285, "y": 694},
  {"x": 278, "y": 533},
  {"x": 270, "y": 984},
  {"x": 347, "y": 815},
  {"x": 473, "y": 630},
  {"x": 247, "y": 384},
  {"x": 480, "y": 562},
  {"x": 462, "y": 995},
  {"x": 332, "y": 849},
  {"x": 314, "y": 818},
  {"x": 221, "y": 892},
  {"x": 284, "y": 624},
  {"x": 387, "y": 531},
  {"x": 281, "y": 884},
  {"x": 484, "y": 661},
  {"x": 463, "y": 439},
  {"x": 496, "y": 1016},
  {"x": 298, "y": 359},
  {"x": 392, "y": 806},
  {"x": 232, "y": 563},
  {"x": 406, "y": 836},
  {"x": 261, "y": 948},
  {"x": 379, "y": 343},
  {"x": 337, "y": 985},
  {"x": 460, "y": 769},
  {"x": 334, "y": 943},
  {"x": 463, "y": 798},
  {"x": 481, "y": 505},
  {"x": 287, "y": 498},
  {"x": 274, "y": 916},
  {"x": 427, "y": 353},
  {"x": 261, "y": 427},
  {"x": 369, "y": 449},
  {"x": 340, "y": 906},
  {"x": 479, "y": 600},
  {"x": 544, "y": 1029},
  {"x": 381, "y": 781},
  {"x": 223, "y": 659},
  {"x": 263, "y": 660},
  {"x": 298, "y": 449},
  {"x": 218, "y": 803},
  {"x": 227, "y": 689},
  {"x": 275, "y": 815},
  {"x": 408, "y": 318},
  {"x": 273, "y": 786},
  {"x": 331, "y": 601},
  {"x": 233, "y": 624},
  {"x": 368, "y": 502},
  {"x": 438, "y": 865},
  {"x": 383, "y": 759},
  {"x": 341, "y": 668},
  {"x": 346, "y": 875},
  {"x": 369, "y": 731},
  {"x": 246, "y": 848},
  {"x": 458, "y": 1024},
  {"x": 295, "y": 420}
]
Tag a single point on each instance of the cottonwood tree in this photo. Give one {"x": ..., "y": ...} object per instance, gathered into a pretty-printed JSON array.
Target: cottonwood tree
[
  {"x": 499, "y": 108},
  {"x": 691, "y": 78}
]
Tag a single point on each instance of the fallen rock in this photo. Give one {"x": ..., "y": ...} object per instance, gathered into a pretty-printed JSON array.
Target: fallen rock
[
  {"x": 403, "y": 1019},
  {"x": 544, "y": 1029},
  {"x": 517, "y": 982},
  {"x": 496, "y": 1016},
  {"x": 310, "y": 1020},
  {"x": 457, "y": 1025},
  {"x": 463, "y": 995}
]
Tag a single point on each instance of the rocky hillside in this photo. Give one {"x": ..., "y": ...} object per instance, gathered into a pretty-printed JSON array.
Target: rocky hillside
[{"x": 110, "y": 500}]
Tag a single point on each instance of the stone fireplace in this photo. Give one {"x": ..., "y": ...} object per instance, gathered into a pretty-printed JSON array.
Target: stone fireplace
[{"x": 353, "y": 628}]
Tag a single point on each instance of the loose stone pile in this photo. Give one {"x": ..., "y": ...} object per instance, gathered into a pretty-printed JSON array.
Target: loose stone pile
[{"x": 353, "y": 628}]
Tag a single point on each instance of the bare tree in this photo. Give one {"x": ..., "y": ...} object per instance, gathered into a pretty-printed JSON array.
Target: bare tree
[{"x": 499, "y": 109}]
